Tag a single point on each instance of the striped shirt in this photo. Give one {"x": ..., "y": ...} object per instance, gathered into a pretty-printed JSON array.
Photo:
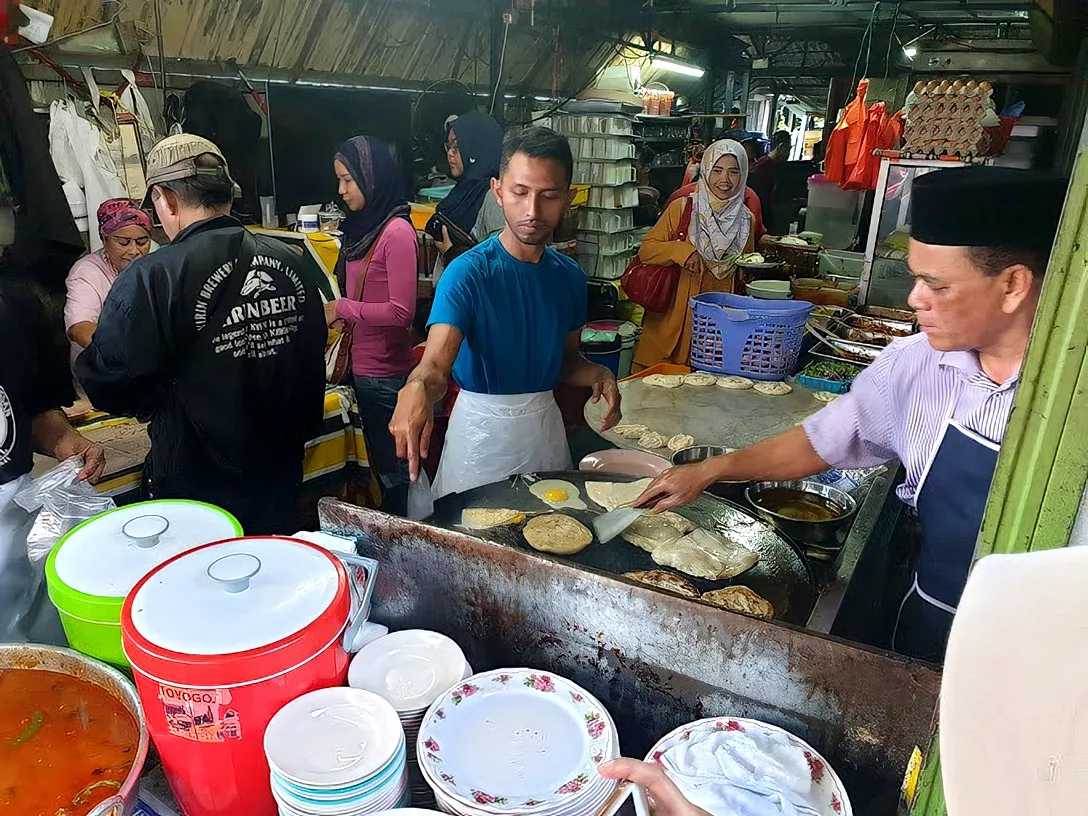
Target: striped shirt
[{"x": 897, "y": 407}]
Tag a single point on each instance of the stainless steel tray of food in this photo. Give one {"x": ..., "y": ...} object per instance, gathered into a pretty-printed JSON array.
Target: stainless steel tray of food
[{"x": 781, "y": 576}]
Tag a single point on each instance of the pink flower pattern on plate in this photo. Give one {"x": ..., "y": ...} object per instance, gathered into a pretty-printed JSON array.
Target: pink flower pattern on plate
[
  {"x": 531, "y": 803},
  {"x": 815, "y": 767},
  {"x": 836, "y": 805},
  {"x": 447, "y": 778},
  {"x": 540, "y": 682},
  {"x": 728, "y": 725},
  {"x": 463, "y": 693},
  {"x": 595, "y": 725},
  {"x": 577, "y": 698},
  {"x": 502, "y": 678},
  {"x": 487, "y": 799},
  {"x": 574, "y": 785},
  {"x": 432, "y": 746},
  {"x": 440, "y": 714}
]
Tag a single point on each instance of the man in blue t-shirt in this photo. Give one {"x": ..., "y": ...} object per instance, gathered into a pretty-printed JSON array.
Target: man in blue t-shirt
[{"x": 506, "y": 324}]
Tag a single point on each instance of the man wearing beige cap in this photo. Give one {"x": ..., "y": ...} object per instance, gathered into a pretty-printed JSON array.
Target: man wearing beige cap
[{"x": 218, "y": 339}]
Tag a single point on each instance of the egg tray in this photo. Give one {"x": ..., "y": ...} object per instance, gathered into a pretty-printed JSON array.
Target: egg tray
[{"x": 782, "y": 575}]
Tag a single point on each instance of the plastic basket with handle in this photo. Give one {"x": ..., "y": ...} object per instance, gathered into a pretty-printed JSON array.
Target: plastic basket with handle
[{"x": 745, "y": 336}]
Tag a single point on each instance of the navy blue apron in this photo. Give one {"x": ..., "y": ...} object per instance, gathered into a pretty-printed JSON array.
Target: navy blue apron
[{"x": 950, "y": 501}]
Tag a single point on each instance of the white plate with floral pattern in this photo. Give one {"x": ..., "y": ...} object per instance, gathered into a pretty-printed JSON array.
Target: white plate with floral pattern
[
  {"x": 519, "y": 740},
  {"x": 825, "y": 790}
]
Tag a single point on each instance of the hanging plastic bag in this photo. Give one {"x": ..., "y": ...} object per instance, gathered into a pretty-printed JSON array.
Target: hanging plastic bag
[
  {"x": 844, "y": 143},
  {"x": 867, "y": 167},
  {"x": 420, "y": 498},
  {"x": 62, "y": 503}
]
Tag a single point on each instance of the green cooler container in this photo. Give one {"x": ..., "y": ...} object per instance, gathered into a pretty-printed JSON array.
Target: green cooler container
[{"x": 95, "y": 565}]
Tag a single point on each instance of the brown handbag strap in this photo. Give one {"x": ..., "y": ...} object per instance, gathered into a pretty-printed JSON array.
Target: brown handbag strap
[{"x": 361, "y": 282}]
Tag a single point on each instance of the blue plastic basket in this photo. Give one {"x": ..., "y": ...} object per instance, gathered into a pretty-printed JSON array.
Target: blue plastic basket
[{"x": 750, "y": 337}]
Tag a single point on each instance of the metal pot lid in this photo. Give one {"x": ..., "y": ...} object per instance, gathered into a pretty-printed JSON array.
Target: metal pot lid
[
  {"x": 235, "y": 596},
  {"x": 107, "y": 555}
]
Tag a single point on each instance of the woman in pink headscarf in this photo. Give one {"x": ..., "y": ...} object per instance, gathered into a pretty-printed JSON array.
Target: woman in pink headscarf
[{"x": 126, "y": 236}]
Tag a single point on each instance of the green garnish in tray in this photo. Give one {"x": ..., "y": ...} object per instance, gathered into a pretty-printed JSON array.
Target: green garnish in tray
[{"x": 835, "y": 372}]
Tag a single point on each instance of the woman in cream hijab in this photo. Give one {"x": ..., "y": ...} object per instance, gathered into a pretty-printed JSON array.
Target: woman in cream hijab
[{"x": 720, "y": 230}]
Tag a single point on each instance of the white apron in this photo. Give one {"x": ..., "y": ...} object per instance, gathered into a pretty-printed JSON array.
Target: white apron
[
  {"x": 26, "y": 613},
  {"x": 491, "y": 437}
]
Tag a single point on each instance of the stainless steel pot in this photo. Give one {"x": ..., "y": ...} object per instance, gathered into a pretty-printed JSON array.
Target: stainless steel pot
[
  {"x": 730, "y": 491},
  {"x": 821, "y": 533},
  {"x": 64, "y": 661}
]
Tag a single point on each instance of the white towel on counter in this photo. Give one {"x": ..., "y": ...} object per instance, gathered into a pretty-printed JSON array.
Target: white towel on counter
[{"x": 743, "y": 773}]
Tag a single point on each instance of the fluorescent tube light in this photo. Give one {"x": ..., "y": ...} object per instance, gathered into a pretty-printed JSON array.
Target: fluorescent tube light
[{"x": 677, "y": 67}]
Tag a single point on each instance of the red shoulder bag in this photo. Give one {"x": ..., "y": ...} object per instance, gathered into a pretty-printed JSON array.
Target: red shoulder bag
[{"x": 651, "y": 286}]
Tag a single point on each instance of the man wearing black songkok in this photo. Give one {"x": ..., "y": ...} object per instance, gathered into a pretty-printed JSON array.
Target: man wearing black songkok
[{"x": 939, "y": 401}]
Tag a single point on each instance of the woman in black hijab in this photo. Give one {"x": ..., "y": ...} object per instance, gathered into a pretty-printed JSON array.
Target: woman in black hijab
[
  {"x": 474, "y": 152},
  {"x": 377, "y": 271}
]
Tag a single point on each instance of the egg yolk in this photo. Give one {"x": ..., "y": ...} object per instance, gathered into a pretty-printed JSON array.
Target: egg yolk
[{"x": 556, "y": 495}]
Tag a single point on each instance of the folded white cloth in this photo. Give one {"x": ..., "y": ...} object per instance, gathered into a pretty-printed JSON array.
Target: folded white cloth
[{"x": 743, "y": 773}]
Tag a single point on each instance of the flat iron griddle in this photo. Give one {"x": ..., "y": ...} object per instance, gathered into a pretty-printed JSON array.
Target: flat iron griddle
[{"x": 782, "y": 576}]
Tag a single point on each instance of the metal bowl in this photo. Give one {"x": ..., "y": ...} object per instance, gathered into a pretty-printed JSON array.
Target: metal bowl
[
  {"x": 807, "y": 532},
  {"x": 731, "y": 491},
  {"x": 65, "y": 661}
]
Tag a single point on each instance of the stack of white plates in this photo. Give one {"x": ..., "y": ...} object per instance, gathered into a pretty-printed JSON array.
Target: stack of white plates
[
  {"x": 517, "y": 741},
  {"x": 410, "y": 669},
  {"x": 754, "y": 757},
  {"x": 337, "y": 752}
]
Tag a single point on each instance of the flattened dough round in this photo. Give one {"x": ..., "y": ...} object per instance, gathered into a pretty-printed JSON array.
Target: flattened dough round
[
  {"x": 665, "y": 380},
  {"x": 741, "y": 599},
  {"x": 773, "y": 389},
  {"x": 484, "y": 518},
  {"x": 653, "y": 441},
  {"x": 825, "y": 396},
  {"x": 631, "y": 431},
  {"x": 663, "y": 579},
  {"x": 557, "y": 534},
  {"x": 735, "y": 383},
  {"x": 680, "y": 441},
  {"x": 700, "y": 378}
]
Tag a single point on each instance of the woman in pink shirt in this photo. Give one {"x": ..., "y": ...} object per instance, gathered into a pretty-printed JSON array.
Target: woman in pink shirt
[
  {"x": 377, "y": 273},
  {"x": 126, "y": 236}
]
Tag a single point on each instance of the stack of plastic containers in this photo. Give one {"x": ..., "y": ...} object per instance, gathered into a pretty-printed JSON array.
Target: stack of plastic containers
[{"x": 604, "y": 157}]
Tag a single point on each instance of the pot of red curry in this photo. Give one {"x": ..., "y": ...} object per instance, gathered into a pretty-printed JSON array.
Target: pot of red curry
[{"x": 72, "y": 734}]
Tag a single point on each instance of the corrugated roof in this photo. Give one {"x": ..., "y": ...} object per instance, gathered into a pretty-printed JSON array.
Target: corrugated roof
[{"x": 412, "y": 41}]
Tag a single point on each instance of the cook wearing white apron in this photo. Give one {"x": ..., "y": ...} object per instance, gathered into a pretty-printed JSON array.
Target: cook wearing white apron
[{"x": 492, "y": 436}]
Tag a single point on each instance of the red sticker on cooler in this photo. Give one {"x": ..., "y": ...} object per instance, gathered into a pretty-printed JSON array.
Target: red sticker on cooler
[{"x": 200, "y": 715}]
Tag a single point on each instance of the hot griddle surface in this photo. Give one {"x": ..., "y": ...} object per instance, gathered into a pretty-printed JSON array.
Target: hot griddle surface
[{"x": 781, "y": 576}]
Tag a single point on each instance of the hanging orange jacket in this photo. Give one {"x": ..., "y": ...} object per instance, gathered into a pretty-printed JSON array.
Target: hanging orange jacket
[{"x": 844, "y": 144}]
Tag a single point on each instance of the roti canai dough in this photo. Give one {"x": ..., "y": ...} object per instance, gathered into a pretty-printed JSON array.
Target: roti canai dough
[
  {"x": 735, "y": 383},
  {"x": 773, "y": 389},
  {"x": 655, "y": 530},
  {"x": 668, "y": 581},
  {"x": 664, "y": 380},
  {"x": 825, "y": 396},
  {"x": 700, "y": 378},
  {"x": 706, "y": 555},
  {"x": 653, "y": 440},
  {"x": 614, "y": 495},
  {"x": 484, "y": 518},
  {"x": 557, "y": 534},
  {"x": 631, "y": 431},
  {"x": 740, "y": 599},
  {"x": 680, "y": 441}
]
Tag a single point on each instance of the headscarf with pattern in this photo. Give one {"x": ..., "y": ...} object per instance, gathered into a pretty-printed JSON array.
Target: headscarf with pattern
[
  {"x": 720, "y": 228},
  {"x": 117, "y": 213}
]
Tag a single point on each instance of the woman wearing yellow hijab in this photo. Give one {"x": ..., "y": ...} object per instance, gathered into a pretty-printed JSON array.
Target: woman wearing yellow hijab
[{"x": 720, "y": 230}]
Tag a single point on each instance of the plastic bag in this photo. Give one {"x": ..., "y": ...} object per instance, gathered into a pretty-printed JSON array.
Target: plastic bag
[
  {"x": 63, "y": 503},
  {"x": 420, "y": 499}
]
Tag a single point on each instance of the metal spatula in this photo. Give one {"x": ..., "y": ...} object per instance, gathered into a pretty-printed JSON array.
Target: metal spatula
[{"x": 609, "y": 525}]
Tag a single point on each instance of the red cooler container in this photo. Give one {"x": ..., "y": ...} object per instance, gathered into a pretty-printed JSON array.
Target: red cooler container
[{"x": 220, "y": 638}]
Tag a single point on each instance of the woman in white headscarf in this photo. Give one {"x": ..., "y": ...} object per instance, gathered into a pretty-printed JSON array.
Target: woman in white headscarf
[{"x": 701, "y": 234}]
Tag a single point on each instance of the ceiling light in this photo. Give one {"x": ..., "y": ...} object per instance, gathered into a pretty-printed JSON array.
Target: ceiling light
[
  {"x": 910, "y": 52},
  {"x": 677, "y": 67}
]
